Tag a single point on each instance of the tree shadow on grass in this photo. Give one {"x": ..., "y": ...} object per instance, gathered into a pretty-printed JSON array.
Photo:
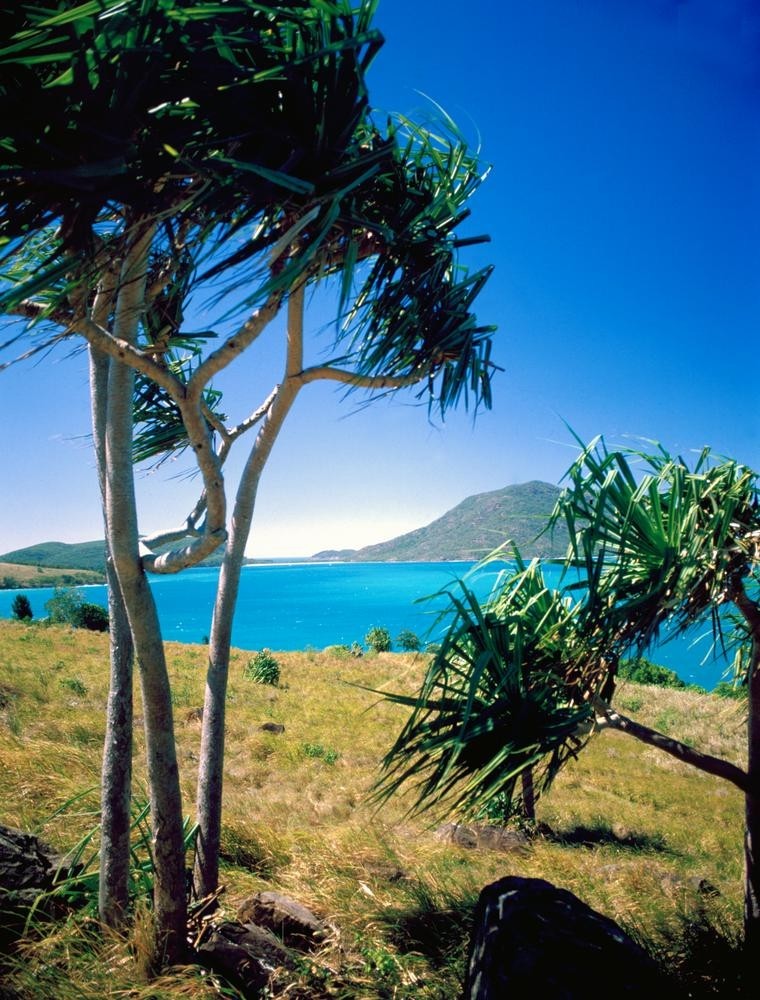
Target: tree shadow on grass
[
  {"x": 434, "y": 924},
  {"x": 602, "y": 834},
  {"x": 704, "y": 958}
]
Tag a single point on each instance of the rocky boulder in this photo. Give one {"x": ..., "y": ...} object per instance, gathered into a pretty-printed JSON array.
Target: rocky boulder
[
  {"x": 481, "y": 836},
  {"x": 28, "y": 868},
  {"x": 291, "y": 921},
  {"x": 272, "y": 931},
  {"x": 246, "y": 955},
  {"x": 531, "y": 939}
]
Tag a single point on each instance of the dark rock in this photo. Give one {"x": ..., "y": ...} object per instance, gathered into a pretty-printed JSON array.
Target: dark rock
[
  {"x": 28, "y": 868},
  {"x": 273, "y": 727},
  {"x": 532, "y": 939},
  {"x": 483, "y": 837},
  {"x": 246, "y": 955},
  {"x": 291, "y": 921}
]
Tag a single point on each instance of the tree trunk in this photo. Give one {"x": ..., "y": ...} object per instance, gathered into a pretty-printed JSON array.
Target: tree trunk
[
  {"x": 116, "y": 782},
  {"x": 210, "y": 768},
  {"x": 609, "y": 718},
  {"x": 116, "y": 775},
  {"x": 170, "y": 905},
  {"x": 528, "y": 796},
  {"x": 752, "y": 833}
]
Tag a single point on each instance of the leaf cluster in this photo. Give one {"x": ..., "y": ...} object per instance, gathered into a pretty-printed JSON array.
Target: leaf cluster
[
  {"x": 656, "y": 542},
  {"x": 516, "y": 681},
  {"x": 503, "y": 694},
  {"x": 240, "y": 135},
  {"x": 147, "y": 105}
]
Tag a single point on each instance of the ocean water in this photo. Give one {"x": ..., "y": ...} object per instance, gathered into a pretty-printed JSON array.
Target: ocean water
[{"x": 289, "y": 606}]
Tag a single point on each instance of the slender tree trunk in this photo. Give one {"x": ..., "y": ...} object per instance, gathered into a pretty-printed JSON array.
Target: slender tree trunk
[
  {"x": 211, "y": 766},
  {"x": 752, "y": 834},
  {"x": 210, "y": 769},
  {"x": 170, "y": 906},
  {"x": 116, "y": 783},
  {"x": 116, "y": 775},
  {"x": 609, "y": 718},
  {"x": 528, "y": 796}
]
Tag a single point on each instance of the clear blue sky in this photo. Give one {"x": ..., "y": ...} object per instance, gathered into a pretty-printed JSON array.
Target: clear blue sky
[{"x": 624, "y": 211}]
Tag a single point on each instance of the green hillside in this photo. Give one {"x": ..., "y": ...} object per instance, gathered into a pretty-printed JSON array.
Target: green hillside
[
  {"x": 475, "y": 527},
  {"x": 63, "y": 555},
  {"x": 77, "y": 556}
]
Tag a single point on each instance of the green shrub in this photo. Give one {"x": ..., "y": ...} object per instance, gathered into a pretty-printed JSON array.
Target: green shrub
[
  {"x": 63, "y": 606},
  {"x": 340, "y": 650},
  {"x": 317, "y": 751},
  {"x": 408, "y": 641},
  {"x": 92, "y": 616},
  {"x": 75, "y": 685},
  {"x": 643, "y": 671},
  {"x": 629, "y": 704},
  {"x": 66, "y": 607},
  {"x": 378, "y": 639},
  {"x": 263, "y": 669},
  {"x": 727, "y": 689},
  {"x": 21, "y": 609}
]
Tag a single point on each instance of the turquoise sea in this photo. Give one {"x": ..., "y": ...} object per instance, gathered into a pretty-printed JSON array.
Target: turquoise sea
[{"x": 312, "y": 605}]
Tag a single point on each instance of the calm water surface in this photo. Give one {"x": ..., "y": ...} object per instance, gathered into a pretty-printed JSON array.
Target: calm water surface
[{"x": 299, "y": 605}]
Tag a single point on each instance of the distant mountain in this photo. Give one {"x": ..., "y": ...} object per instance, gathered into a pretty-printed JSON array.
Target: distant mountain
[
  {"x": 63, "y": 555},
  {"x": 75, "y": 555},
  {"x": 474, "y": 528}
]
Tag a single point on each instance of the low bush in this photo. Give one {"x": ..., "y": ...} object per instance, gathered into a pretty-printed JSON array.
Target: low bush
[
  {"x": 318, "y": 752},
  {"x": 408, "y": 642},
  {"x": 66, "y": 607},
  {"x": 92, "y": 616},
  {"x": 727, "y": 689},
  {"x": 74, "y": 684},
  {"x": 378, "y": 639},
  {"x": 643, "y": 671},
  {"x": 263, "y": 669}
]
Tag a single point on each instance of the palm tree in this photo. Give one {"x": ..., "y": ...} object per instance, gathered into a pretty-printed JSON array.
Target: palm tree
[
  {"x": 165, "y": 146},
  {"x": 525, "y": 680}
]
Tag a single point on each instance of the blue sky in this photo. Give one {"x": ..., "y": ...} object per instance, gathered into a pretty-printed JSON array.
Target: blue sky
[{"x": 624, "y": 212}]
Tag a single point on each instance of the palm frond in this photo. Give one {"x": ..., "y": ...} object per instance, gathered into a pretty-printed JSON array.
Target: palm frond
[{"x": 493, "y": 704}]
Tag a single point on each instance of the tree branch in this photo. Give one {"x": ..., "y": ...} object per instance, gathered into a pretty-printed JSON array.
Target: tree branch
[
  {"x": 236, "y": 344},
  {"x": 121, "y": 350},
  {"x": 327, "y": 372},
  {"x": 296, "y": 302},
  {"x": 608, "y": 718}
]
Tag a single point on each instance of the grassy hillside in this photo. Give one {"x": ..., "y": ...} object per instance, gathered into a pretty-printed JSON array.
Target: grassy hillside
[
  {"x": 57, "y": 557},
  {"x": 477, "y": 526},
  {"x": 77, "y": 555},
  {"x": 15, "y": 576},
  {"x": 629, "y": 830}
]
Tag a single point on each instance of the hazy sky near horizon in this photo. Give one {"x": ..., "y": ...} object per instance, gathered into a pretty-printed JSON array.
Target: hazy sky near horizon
[{"x": 624, "y": 212}]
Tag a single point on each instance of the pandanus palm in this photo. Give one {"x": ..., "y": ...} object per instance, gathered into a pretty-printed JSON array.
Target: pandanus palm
[
  {"x": 523, "y": 681},
  {"x": 168, "y": 146}
]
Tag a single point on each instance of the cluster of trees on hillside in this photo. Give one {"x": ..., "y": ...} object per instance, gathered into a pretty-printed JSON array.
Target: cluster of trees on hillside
[
  {"x": 44, "y": 579},
  {"x": 158, "y": 148}
]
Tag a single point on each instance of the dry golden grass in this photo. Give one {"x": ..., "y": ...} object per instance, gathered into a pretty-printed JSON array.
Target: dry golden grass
[
  {"x": 46, "y": 576},
  {"x": 630, "y": 830}
]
